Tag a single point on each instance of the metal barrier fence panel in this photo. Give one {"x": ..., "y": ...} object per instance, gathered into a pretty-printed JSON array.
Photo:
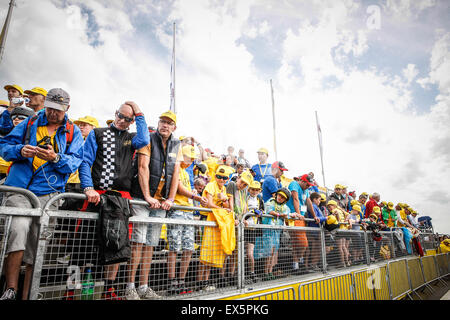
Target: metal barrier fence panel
[
  {"x": 428, "y": 241},
  {"x": 398, "y": 279},
  {"x": 334, "y": 288},
  {"x": 345, "y": 249},
  {"x": 365, "y": 282},
  {"x": 415, "y": 273},
  {"x": 429, "y": 268},
  {"x": 280, "y": 294},
  {"x": 70, "y": 267},
  {"x": 272, "y": 253},
  {"x": 443, "y": 264},
  {"x": 382, "y": 289}
]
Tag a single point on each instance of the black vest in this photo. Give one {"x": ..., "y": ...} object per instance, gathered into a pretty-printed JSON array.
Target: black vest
[
  {"x": 162, "y": 164},
  {"x": 113, "y": 165}
]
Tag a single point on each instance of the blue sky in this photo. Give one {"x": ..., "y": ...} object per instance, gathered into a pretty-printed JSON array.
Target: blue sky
[{"x": 383, "y": 95}]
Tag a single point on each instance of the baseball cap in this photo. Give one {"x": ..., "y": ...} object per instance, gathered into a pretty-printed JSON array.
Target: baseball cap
[
  {"x": 4, "y": 103},
  {"x": 338, "y": 186},
  {"x": 255, "y": 184},
  {"x": 169, "y": 114},
  {"x": 23, "y": 111},
  {"x": 279, "y": 165},
  {"x": 89, "y": 120},
  {"x": 390, "y": 205},
  {"x": 356, "y": 207},
  {"x": 263, "y": 150},
  {"x": 373, "y": 215},
  {"x": 365, "y": 194},
  {"x": 331, "y": 219},
  {"x": 306, "y": 178},
  {"x": 37, "y": 90},
  {"x": 247, "y": 177},
  {"x": 332, "y": 202},
  {"x": 58, "y": 99},
  {"x": 189, "y": 151},
  {"x": 14, "y": 86},
  {"x": 376, "y": 209}
]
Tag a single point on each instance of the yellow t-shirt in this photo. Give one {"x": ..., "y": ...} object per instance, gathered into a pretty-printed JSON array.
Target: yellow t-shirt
[
  {"x": 40, "y": 134},
  {"x": 213, "y": 189},
  {"x": 185, "y": 181},
  {"x": 341, "y": 216},
  {"x": 74, "y": 178},
  {"x": 402, "y": 214},
  {"x": 147, "y": 150},
  {"x": 4, "y": 165}
]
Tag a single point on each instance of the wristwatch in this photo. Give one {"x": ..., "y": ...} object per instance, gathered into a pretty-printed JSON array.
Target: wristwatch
[
  {"x": 57, "y": 158},
  {"x": 87, "y": 189}
]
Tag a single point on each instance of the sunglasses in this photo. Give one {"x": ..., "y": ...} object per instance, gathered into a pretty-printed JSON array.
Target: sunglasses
[
  {"x": 221, "y": 177},
  {"x": 121, "y": 116},
  {"x": 18, "y": 117}
]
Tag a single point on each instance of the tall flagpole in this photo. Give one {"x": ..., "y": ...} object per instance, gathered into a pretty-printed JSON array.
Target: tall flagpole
[
  {"x": 274, "y": 127},
  {"x": 172, "y": 75},
  {"x": 5, "y": 29},
  {"x": 319, "y": 134}
]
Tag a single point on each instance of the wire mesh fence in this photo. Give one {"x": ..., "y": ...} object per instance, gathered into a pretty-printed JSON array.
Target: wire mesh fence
[{"x": 176, "y": 254}]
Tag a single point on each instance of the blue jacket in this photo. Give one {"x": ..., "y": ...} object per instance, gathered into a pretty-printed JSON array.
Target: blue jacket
[
  {"x": 6, "y": 124},
  {"x": 50, "y": 177},
  {"x": 318, "y": 214}
]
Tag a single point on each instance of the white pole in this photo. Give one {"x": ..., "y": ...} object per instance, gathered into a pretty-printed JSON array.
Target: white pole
[
  {"x": 5, "y": 29},
  {"x": 173, "y": 105},
  {"x": 274, "y": 126},
  {"x": 319, "y": 134}
]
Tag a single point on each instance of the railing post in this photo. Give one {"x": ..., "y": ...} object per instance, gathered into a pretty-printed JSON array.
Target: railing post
[{"x": 324, "y": 250}]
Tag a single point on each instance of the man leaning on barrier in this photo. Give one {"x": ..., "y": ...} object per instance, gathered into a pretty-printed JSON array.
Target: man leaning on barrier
[
  {"x": 45, "y": 150},
  {"x": 109, "y": 151},
  {"x": 156, "y": 183}
]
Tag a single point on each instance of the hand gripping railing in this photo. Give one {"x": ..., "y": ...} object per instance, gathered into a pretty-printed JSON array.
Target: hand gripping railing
[{"x": 9, "y": 212}]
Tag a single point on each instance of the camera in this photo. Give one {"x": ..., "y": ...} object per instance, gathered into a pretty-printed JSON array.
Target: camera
[
  {"x": 20, "y": 101},
  {"x": 44, "y": 142}
]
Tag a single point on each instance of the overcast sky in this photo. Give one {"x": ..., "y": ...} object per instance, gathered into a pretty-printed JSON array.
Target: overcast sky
[{"x": 377, "y": 73}]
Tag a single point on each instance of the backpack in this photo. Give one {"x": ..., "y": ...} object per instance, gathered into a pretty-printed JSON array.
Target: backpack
[{"x": 69, "y": 130}]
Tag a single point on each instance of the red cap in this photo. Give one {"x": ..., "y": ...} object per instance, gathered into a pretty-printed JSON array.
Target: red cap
[
  {"x": 306, "y": 178},
  {"x": 279, "y": 165}
]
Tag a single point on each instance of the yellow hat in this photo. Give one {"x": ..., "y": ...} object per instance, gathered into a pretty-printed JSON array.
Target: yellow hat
[
  {"x": 222, "y": 170},
  {"x": 338, "y": 186},
  {"x": 343, "y": 187},
  {"x": 331, "y": 219},
  {"x": 108, "y": 122},
  {"x": 181, "y": 138},
  {"x": 247, "y": 177},
  {"x": 37, "y": 90},
  {"x": 365, "y": 194},
  {"x": 354, "y": 202},
  {"x": 332, "y": 202},
  {"x": 323, "y": 197},
  {"x": 4, "y": 103},
  {"x": 384, "y": 203},
  {"x": 189, "y": 151},
  {"x": 356, "y": 207},
  {"x": 390, "y": 205},
  {"x": 373, "y": 215},
  {"x": 263, "y": 150},
  {"x": 376, "y": 209},
  {"x": 14, "y": 86},
  {"x": 169, "y": 114},
  {"x": 255, "y": 185},
  {"x": 89, "y": 120}
]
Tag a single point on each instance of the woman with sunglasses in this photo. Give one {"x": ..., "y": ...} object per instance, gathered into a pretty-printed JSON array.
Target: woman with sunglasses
[{"x": 216, "y": 194}]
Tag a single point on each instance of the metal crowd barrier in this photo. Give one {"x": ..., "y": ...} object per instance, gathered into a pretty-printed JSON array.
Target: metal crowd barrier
[{"x": 67, "y": 251}]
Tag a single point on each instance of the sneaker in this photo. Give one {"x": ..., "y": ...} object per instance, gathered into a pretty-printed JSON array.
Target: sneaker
[
  {"x": 9, "y": 294},
  {"x": 173, "y": 288},
  {"x": 110, "y": 294},
  {"x": 254, "y": 278},
  {"x": 149, "y": 294},
  {"x": 131, "y": 294},
  {"x": 209, "y": 287},
  {"x": 69, "y": 295},
  {"x": 64, "y": 260},
  {"x": 182, "y": 289}
]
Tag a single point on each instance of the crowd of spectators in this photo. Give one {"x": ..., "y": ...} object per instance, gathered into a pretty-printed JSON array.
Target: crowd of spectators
[{"x": 42, "y": 150}]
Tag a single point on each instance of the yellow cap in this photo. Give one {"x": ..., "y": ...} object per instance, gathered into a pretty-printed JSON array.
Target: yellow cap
[
  {"x": 263, "y": 150},
  {"x": 331, "y": 219},
  {"x": 384, "y": 203},
  {"x": 255, "y": 185},
  {"x": 390, "y": 205},
  {"x": 37, "y": 90},
  {"x": 181, "y": 138},
  {"x": 373, "y": 215},
  {"x": 376, "y": 209},
  {"x": 4, "y": 103},
  {"x": 89, "y": 120},
  {"x": 108, "y": 122},
  {"x": 169, "y": 114},
  {"x": 332, "y": 202},
  {"x": 247, "y": 177},
  {"x": 356, "y": 207},
  {"x": 14, "y": 86},
  {"x": 323, "y": 197},
  {"x": 338, "y": 186},
  {"x": 189, "y": 151},
  {"x": 365, "y": 194},
  {"x": 354, "y": 202}
]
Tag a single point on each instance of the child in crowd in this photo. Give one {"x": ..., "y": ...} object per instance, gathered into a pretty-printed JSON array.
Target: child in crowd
[
  {"x": 341, "y": 239},
  {"x": 276, "y": 207},
  {"x": 256, "y": 206}
]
